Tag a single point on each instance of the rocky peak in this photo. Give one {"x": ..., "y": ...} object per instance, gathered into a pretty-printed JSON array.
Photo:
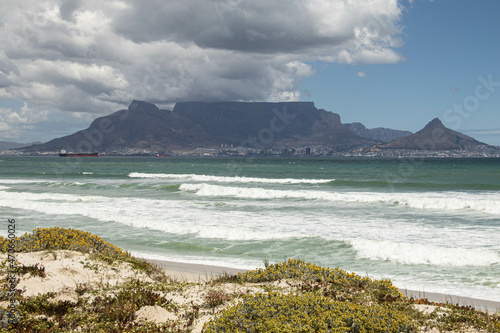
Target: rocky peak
[
  {"x": 142, "y": 106},
  {"x": 433, "y": 124},
  {"x": 434, "y": 136}
]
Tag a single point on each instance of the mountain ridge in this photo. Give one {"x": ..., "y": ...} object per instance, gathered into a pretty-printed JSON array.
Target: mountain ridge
[
  {"x": 379, "y": 133},
  {"x": 246, "y": 125},
  {"x": 211, "y": 124},
  {"x": 11, "y": 145},
  {"x": 434, "y": 136}
]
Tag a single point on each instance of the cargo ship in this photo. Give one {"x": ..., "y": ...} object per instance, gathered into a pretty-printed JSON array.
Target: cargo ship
[{"x": 63, "y": 153}]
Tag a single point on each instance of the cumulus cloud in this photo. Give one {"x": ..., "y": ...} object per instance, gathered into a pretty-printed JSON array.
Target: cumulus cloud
[
  {"x": 96, "y": 56},
  {"x": 361, "y": 74}
]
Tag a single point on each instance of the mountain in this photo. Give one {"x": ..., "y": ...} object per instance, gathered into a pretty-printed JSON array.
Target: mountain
[
  {"x": 11, "y": 145},
  {"x": 192, "y": 125},
  {"x": 270, "y": 124},
  {"x": 379, "y": 133},
  {"x": 434, "y": 136},
  {"x": 142, "y": 126}
]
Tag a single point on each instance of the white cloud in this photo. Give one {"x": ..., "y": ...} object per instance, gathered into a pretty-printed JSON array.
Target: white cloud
[
  {"x": 361, "y": 74},
  {"x": 96, "y": 56},
  {"x": 28, "y": 124}
]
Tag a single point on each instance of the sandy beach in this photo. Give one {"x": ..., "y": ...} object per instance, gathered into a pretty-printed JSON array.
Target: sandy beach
[
  {"x": 67, "y": 269},
  {"x": 197, "y": 272},
  {"x": 69, "y": 274}
]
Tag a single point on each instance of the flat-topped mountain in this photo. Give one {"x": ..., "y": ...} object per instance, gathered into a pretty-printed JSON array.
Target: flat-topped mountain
[
  {"x": 211, "y": 124},
  {"x": 270, "y": 124},
  {"x": 192, "y": 125},
  {"x": 434, "y": 136}
]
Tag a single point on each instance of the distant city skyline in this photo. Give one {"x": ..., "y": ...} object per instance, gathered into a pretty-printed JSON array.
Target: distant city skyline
[{"x": 384, "y": 63}]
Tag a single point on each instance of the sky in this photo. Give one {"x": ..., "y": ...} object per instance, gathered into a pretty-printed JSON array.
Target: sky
[{"x": 384, "y": 63}]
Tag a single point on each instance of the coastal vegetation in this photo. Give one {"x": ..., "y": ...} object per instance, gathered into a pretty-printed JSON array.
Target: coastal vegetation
[{"x": 290, "y": 296}]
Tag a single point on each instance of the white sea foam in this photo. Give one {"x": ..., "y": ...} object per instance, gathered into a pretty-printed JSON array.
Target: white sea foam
[
  {"x": 222, "y": 179},
  {"x": 46, "y": 198},
  {"x": 63, "y": 184},
  {"x": 21, "y": 181},
  {"x": 483, "y": 202},
  {"x": 422, "y": 254},
  {"x": 447, "y": 234},
  {"x": 190, "y": 218}
]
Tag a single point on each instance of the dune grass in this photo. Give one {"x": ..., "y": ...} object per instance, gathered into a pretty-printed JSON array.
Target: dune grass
[
  {"x": 291, "y": 296},
  {"x": 56, "y": 238}
]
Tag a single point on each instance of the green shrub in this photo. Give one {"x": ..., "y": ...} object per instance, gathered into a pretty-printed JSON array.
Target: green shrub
[
  {"x": 310, "y": 312},
  {"x": 335, "y": 283},
  {"x": 60, "y": 239},
  {"x": 33, "y": 270}
]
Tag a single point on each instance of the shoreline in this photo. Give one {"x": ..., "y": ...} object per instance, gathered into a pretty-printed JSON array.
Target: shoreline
[
  {"x": 192, "y": 272},
  {"x": 200, "y": 272},
  {"x": 147, "y": 298},
  {"x": 305, "y": 157}
]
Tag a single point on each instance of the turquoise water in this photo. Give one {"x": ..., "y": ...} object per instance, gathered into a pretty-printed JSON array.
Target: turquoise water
[{"x": 428, "y": 225}]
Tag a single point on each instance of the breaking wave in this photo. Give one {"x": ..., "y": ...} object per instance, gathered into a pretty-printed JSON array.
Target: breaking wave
[
  {"x": 222, "y": 179},
  {"x": 423, "y": 254},
  {"x": 482, "y": 202}
]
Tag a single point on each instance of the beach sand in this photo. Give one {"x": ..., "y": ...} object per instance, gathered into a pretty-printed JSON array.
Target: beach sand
[
  {"x": 68, "y": 270},
  {"x": 197, "y": 272},
  {"x": 478, "y": 304},
  {"x": 193, "y": 272}
]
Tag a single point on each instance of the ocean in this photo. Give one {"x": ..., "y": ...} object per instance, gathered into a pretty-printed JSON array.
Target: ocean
[{"x": 428, "y": 225}]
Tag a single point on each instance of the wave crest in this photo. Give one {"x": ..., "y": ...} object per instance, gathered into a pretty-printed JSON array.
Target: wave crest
[
  {"x": 420, "y": 254},
  {"x": 224, "y": 179},
  {"x": 482, "y": 202}
]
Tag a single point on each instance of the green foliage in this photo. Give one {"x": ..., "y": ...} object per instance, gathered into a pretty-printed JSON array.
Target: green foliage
[
  {"x": 298, "y": 269},
  {"x": 321, "y": 299},
  {"x": 325, "y": 300},
  {"x": 215, "y": 297},
  {"x": 335, "y": 283},
  {"x": 118, "y": 309},
  {"x": 41, "y": 304},
  {"x": 33, "y": 270},
  {"x": 110, "y": 312},
  {"x": 60, "y": 239},
  {"x": 310, "y": 312},
  {"x": 457, "y": 318},
  {"x": 265, "y": 261}
]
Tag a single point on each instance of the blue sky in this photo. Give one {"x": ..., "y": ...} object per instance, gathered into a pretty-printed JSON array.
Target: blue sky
[
  {"x": 447, "y": 45},
  {"x": 385, "y": 63}
]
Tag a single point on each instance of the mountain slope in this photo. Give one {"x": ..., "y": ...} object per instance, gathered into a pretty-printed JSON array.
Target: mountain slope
[
  {"x": 11, "y": 145},
  {"x": 270, "y": 124},
  {"x": 142, "y": 125},
  {"x": 434, "y": 136},
  {"x": 379, "y": 133},
  {"x": 203, "y": 124}
]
